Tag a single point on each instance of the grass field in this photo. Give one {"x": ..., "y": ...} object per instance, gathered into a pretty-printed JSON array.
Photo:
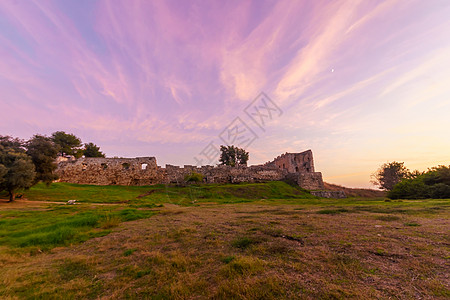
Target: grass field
[{"x": 246, "y": 241}]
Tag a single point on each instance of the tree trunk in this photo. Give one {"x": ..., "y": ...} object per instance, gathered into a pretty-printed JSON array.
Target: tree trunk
[{"x": 12, "y": 196}]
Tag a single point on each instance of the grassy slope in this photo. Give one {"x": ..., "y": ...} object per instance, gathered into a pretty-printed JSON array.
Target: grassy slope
[
  {"x": 269, "y": 241},
  {"x": 353, "y": 192}
]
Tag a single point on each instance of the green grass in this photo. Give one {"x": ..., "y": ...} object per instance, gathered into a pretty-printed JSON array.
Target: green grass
[
  {"x": 157, "y": 194},
  {"x": 388, "y": 218},
  {"x": 62, "y": 192},
  {"x": 244, "y": 241},
  {"x": 128, "y": 252},
  {"x": 275, "y": 192},
  {"x": 332, "y": 211},
  {"x": 61, "y": 225}
]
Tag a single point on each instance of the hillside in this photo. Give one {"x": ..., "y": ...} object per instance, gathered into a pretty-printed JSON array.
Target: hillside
[{"x": 351, "y": 192}]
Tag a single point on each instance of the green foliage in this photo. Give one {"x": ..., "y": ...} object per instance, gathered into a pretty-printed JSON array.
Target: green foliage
[
  {"x": 92, "y": 150},
  {"x": 12, "y": 143},
  {"x": 435, "y": 183},
  {"x": 68, "y": 143},
  {"x": 233, "y": 156},
  {"x": 43, "y": 152},
  {"x": 193, "y": 177},
  {"x": 20, "y": 172},
  {"x": 389, "y": 174},
  {"x": 3, "y": 172}
]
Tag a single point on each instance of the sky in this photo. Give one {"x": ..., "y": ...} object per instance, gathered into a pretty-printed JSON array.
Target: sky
[{"x": 360, "y": 83}]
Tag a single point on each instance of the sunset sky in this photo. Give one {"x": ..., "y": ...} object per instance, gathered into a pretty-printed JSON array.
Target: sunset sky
[{"x": 360, "y": 83}]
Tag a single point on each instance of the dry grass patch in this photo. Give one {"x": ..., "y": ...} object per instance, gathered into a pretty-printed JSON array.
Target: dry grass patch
[{"x": 213, "y": 252}]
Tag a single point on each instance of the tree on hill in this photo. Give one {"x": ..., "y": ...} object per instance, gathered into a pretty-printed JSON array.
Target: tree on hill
[
  {"x": 18, "y": 170},
  {"x": 43, "y": 152},
  {"x": 92, "y": 150},
  {"x": 68, "y": 143},
  {"x": 389, "y": 174},
  {"x": 233, "y": 156}
]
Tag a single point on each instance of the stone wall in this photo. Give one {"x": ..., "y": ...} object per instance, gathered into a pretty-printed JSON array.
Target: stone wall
[
  {"x": 295, "y": 167},
  {"x": 111, "y": 171},
  {"x": 294, "y": 162},
  {"x": 330, "y": 194},
  {"x": 225, "y": 174}
]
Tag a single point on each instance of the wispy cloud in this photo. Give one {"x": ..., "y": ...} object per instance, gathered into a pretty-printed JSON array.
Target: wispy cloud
[{"x": 147, "y": 74}]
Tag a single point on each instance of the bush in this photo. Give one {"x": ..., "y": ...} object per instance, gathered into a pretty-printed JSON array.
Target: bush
[
  {"x": 440, "y": 190},
  {"x": 433, "y": 184},
  {"x": 193, "y": 177}
]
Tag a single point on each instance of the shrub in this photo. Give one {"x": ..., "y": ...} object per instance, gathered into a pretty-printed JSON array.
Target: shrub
[
  {"x": 193, "y": 177},
  {"x": 433, "y": 184}
]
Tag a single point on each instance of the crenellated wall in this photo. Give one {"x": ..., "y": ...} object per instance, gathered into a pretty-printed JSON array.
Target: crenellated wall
[{"x": 297, "y": 167}]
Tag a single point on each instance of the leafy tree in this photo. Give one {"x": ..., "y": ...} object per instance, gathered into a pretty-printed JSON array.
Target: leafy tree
[
  {"x": 19, "y": 171},
  {"x": 10, "y": 142},
  {"x": 389, "y": 174},
  {"x": 435, "y": 183},
  {"x": 43, "y": 152},
  {"x": 68, "y": 143},
  {"x": 92, "y": 150},
  {"x": 233, "y": 156},
  {"x": 3, "y": 172}
]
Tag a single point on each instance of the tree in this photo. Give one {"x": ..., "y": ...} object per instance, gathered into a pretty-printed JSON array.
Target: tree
[
  {"x": 3, "y": 172},
  {"x": 233, "y": 156},
  {"x": 92, "y": 150},
  {"x": 68, "y": 143},
  {"x": 18, "y": 169},
  {"x": 10, "y": 142},
  {"x": 389, "y": 174},
  {"x": 43, "y": 152},
  {"x": 435, "y": 183}
]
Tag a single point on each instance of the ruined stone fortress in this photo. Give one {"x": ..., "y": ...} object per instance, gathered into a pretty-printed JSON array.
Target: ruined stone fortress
[{"x": 293, "y": 167}]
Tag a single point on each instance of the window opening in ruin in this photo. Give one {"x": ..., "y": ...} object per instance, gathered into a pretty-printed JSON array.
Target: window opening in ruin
[
  {"x": 144, "y": 166},
  {"x": 296, "y": 169},
  {"x": 104, "y": 166},
  {"x": 284, "y": 166},
  {"x": 125, "y": 166}
]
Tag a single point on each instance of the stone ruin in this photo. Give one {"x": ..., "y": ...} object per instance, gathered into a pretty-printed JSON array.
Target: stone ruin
[{"x": 296, "y": 168}]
